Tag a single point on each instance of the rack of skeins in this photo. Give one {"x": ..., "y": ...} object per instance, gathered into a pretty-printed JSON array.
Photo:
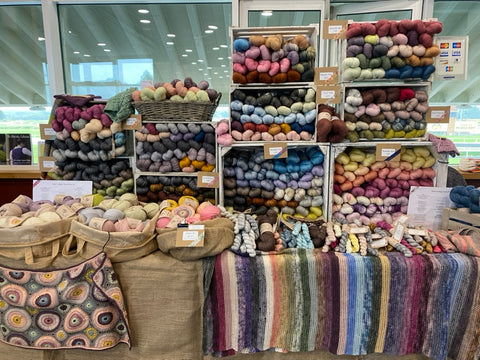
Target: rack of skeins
[
  {"x": 152, "y": 188},
  {"x": 390, "y": 49},
  {"x": 274, "y": 115},
  {"x": 293, "y": 185},
  {"x": 175, "y": 147},
  {"x": 83, "y": 123},
  {"x": 385, "y": 113},
  {"x": 277, "y": 58},
  {"x": 369, "y": 190},
  {"x": 111, "y": 178}
]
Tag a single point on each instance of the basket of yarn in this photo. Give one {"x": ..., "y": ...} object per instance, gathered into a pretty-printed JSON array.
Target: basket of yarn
[
  {"x": 177, "y": 100},
  {"x": 218, "y": 230}
]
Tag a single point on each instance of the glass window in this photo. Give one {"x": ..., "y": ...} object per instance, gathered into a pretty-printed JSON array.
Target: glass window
[
  {"x": 24, "y": 91},
  {"x": 108, "y": 48},
  {"x": 460, "y": 18}
]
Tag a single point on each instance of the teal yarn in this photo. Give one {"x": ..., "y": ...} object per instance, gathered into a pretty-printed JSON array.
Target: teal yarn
[
  {"x": 241, "y": 44},
  {"x": 466, "y": 197}
]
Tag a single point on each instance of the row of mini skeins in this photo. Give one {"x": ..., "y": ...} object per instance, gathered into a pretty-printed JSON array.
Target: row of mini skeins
[
  {"x": 371, "y": 190},
  {"x": 266, "y": 116},
  {"x": 112, "y": 178},
  {"x": 94, "y": 150},
  {"x": 394, "y": 112},
  {"x": 158, "y": 188},
  {"x": 175, "y": 147},
  {"x": 293, "y": 185},
  {"x": 390, "y": 49}
]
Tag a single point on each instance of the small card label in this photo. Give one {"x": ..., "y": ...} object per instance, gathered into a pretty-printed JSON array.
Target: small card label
[
  {"x": 388, "y": 152},
  {"x": 192, "y": 236},
  {"x": 46, "y": 132},
  {"x": 65, "y": 211},
  {"x": 96, "y": 223},
  {"x": 207, "y": 179},
  {"x": 277, "y": 150},
  {"x": 87, "y": 200},
  {"x": 328, "y": 94},
  {"x": 438, "y": 115},
  {"x": 326, "y": 75},
  {"x": 46, "y": 163},
  {"x": 335, "y": 29},
  {"x": 133, "y": 122}
]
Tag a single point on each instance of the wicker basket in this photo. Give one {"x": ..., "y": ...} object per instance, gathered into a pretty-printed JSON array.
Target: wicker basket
[{"x": 167, "y": 110}]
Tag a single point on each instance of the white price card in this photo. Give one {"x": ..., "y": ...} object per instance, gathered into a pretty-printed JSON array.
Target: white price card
[{"x": 426, "y": 204}]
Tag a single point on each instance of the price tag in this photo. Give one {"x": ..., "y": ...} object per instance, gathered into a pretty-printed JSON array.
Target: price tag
[
  {"x": 46, "y": 163},
  {"x": 277, "y": 150},
  {"x": 328, "y": 94},
  {"x": 388, "y": 152},
  {"x": 326, "y": 75},
  {"x": 192, "y": 236},
  {"x": 65, "y": 211},
  {"x": 46, "y": 132},
  {"x": 438, "y": 115},
  {"x": 133, "y": 122},
  {"x": 207, "y": 179},
  {"x": 335, "y": 29}
]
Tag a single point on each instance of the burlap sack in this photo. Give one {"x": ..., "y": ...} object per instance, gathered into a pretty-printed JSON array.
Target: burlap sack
[
  {"x": 33, "y": 246},
  {"x": 85, "y": 242},
  {"x": 218, "y": 237}
]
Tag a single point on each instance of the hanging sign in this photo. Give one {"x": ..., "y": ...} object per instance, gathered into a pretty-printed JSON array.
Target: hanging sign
[{"x": 451, "y": 64}]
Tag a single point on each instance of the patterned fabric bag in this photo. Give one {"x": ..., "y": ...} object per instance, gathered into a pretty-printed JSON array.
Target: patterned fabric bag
[{"x": 77, "y": 307}]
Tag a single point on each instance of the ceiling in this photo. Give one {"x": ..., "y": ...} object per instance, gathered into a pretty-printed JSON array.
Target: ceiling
[{"x": 88, "y": 30}]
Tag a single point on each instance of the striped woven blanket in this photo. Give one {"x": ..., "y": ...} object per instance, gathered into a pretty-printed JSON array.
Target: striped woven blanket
[{"x": 303, "y": 300}]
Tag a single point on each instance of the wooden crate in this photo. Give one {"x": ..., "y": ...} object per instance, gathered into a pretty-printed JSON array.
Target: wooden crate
[{"x": 453, "y": 219}]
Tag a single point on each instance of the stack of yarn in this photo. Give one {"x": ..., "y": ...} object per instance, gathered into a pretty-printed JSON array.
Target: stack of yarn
[
  {"x": 277, "y": 115},
  {"x": 390, "y": 49},
  {"x": 273, "y": 59},
  {"x": 293, "y": 185},
  {"x": 175, "y": 147},
  {"x": 158, "y": 188},
  {"x": 186, "y": 210},
  {"x": 385, "y": 113},
  {"x": 466, "y": 198},
  {"x": 110, "y": 178},
  {"x": 369, "y": 191}
]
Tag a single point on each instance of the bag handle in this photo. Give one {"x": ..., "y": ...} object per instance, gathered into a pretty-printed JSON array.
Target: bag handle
[
  {"x": 66, "y": 247},
  {"x": 44, "y": 262}
]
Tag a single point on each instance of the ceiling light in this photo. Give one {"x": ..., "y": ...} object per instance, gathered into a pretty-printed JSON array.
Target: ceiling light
[
  {"x": 107, "y": 50},
  {"x": 171, "y": 35},
  {"x": 267, "y": 13},
  {"x": 101, "y": 44},
  {"x": 194, "y": 63},
  {"x": 188, "y": 50},
  {"x": 86, "y": 55},
  {"x": 223, "y": 65},
  {"x": 184, "y": 55},
  {"x": 205, "y": 74},
  {"x": 215, "y": 73},
  {"x": 213, "y": 27},
  {"x": 145, "y": 21},
  {"x": 76, "y": 52},
  {"x": 220, "y": 77},
  {"x": 220, "y": 58},
  {"x": 143, "y": 11},
  {"x": 224, "y": 46},
  {"x": 200, "y": 60},
  {"x": 200, "y": 69},
  {"x": 40, "y": 38},
  {"x": 208, "y": 31},
  {"x": 225, "y": 71},
  {"x": 170, "y": 43},
  {"x": 209, "y": 68},
  {"x": 216, "y": 48}
]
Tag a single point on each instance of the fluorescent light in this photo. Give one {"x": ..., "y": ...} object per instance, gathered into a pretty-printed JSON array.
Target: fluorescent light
[
  {"x": 220, "y": 58},
  {"x": 171, "y": 35},
  {"x": 145, "y": 21},
  {"x": 208, "y": 31},
  {"x": 194, "y": 63},
  {"x": 101, "y": 44},
  {"x": 267, "y": 13},
  {"x": 170, "y": 43},
  {"x": 76, "y": 52},
  {"x": 216, "y": 48},
  {"x": 224, "y": 46},
  {"x": 200, "y": 60},
  {"x": 40, "y": 38},
  {"x": 213, "y": 27},
  {"x": 184, "y": 55},
  {"x": 143, "y": 11},
  {"x": 188, "y": 50},
  {"x": 223, "y": 65},
  {"x": 86, "y": 55},
  {"x": 107, "y": 50}
]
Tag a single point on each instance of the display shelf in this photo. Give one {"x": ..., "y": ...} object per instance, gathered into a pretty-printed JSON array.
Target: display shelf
[{"x": 296, "y": 185}]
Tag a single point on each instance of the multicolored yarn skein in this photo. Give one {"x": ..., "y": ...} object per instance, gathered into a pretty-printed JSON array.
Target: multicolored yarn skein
[
  {"x": 390, "y": 49},
  {"x": 293, "y": 185},
  {"x": 278, "y": 115},
  {"x": 385, "y": 113},
  {"x": 153, "y": 188},
  {"x": 273, "y": 59},
  {"x": 175, "y": 147},
  {"x": 246, "y": 232},
  {"x": 370, "y": 191}
]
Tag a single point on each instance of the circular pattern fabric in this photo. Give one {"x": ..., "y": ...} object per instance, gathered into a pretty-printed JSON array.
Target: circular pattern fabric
[{"x": 78, "y": 307}]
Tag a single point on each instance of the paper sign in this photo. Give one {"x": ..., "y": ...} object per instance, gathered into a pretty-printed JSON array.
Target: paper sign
[
  {"x": 438, "y": 115},
  {"x": 46, "y": 163},
  {"x": 46, "y": 132},
  {"x": 47, "y": 189},
  {"x": 388, "y": 152},
  {"x": 426, "y": 204},
  {"x": 277, "y": 150},
  {"x": 326, "y": 75},
  {"x": 451, "y": 63},
  {"x": 193, "y": 236},
  {"x": 133, "y": 122},
  {"x": 335, "y": 29},
  {"x": 328, "y": 94},
  {"x": 207, "y": 179}
]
